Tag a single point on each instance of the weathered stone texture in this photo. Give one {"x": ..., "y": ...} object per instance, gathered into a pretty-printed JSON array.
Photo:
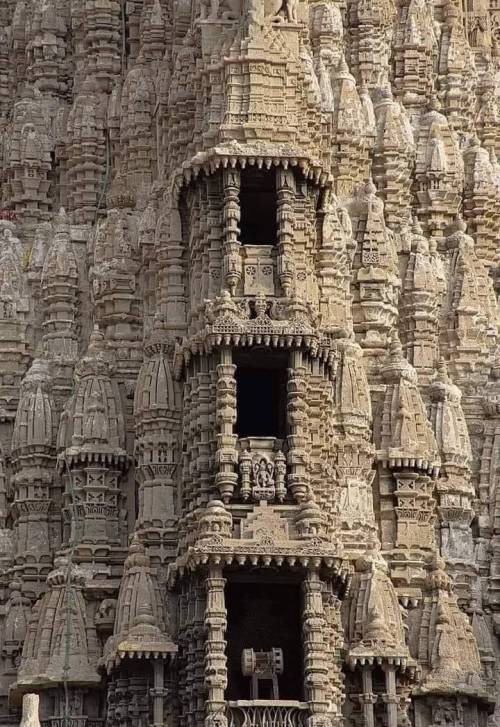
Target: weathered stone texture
[{"x": 249, "y": 363}]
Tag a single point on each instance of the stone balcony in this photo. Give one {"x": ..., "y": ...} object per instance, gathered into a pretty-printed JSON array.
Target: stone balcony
[
  {"x": 267, "y": 713},
  {"x": 72, "y": 721}
]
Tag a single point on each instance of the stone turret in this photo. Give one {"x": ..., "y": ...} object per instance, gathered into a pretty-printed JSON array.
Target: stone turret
[
  {"x": 438, "y": 171},
  {"x": 115, "y": 264},
  {"x": 393, "y": 157},
  {"x": 59, "y": 286},
  {"x": 156, "y": 412},
  {"x": 61, "y": 646},
  {"x": 86, "y": 148},
  {"x": 408, "y": 457},
  {"x": 469, "y": 309},
  {"x": 37, "y": 498},
  {"x": 376, "y": 281},
  {"x": 138, "y": 101},
  {"x": 14, "y": 317},
  {"x": 415, "y": 49},
  {"x": 422, "y": 298},
  {"x": 455, "y": 493},
  {"x": 355, "y": 453},
  {"x": 481, "y": 201},
  {"x": 375, "y": 637},
  {"x": 28, "y": 160},
  {"x": 91, "y": 457},
  {"x": 348, "y": 118},
  {"x": 448, "y": 653}
]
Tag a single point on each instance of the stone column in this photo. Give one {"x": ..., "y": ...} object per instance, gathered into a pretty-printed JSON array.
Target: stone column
[
  {"x": 285, "y": 188},
  {"x": 314, "y": 630},
  {"x": 298, "y": 480},
  {"x": 231, "y": 216},
  {"x": 367, "y": 697},
  {"x": 226, "y": 456},
  {"x": 391, "y": 695},
  {"x": 30, "y": 716},
  {"x": 215, "y": 657},
  {"x": 158, "y": 692}
]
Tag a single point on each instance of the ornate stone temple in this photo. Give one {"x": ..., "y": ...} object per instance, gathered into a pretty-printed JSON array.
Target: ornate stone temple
[{"x": 249, "y": 363}]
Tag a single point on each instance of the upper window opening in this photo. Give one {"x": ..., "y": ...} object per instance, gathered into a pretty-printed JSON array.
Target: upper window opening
[
  {"x": 258, "y": 207},
  {"x": 261, "y": 395}
]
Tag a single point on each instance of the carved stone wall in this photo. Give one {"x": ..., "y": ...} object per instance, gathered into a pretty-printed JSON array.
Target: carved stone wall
[{"x": 195, "y": 196}]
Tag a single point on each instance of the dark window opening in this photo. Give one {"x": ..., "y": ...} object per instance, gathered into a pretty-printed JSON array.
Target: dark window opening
[
  {"x": 475, "y": 528},
  {"x": 258, "y": 207},
  {"x": 261, "y": 396},
  {"x": 264, "y": 616},
  {"x": 378, "y": 680}
]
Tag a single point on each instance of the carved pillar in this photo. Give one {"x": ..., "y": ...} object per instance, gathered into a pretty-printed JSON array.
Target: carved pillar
[
  {"x": 158, "y": 692},
  {"x": 368, "y": 696},
  {"x": 314, "y": 629},
  {"x": 391, "y": 696},
  {"x": 231, "y": 231},
  {"x": 215, "y": 657},
  {"x": 285, "y": 187},
  {"x": 298, "y": 479},
  {"x": 227, "y": 456}
]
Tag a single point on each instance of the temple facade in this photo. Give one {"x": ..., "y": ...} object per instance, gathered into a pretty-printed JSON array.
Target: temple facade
[{"x": 249, "y": 363}]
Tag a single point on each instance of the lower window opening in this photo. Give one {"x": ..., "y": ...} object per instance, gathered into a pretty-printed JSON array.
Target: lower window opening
[{"x": 263, "y": 617}]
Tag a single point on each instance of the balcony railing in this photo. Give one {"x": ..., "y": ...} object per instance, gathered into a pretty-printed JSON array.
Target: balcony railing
[
  {"x": 72, "y": 721},
  {"x": 263, "y": 713}
]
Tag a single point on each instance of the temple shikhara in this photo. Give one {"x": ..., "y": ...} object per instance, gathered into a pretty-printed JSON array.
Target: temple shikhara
[{"x": 249, "y": 363}]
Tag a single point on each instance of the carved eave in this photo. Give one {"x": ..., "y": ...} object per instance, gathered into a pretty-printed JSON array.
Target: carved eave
[
  {"x": 380, "y": 655},
  {"x": 260, "y": 154},
  {"x": 147, "y": 651},
  {"x": 396, "y": 459},
  {"x": 144, "y": 641},
  {"x": 157, "y": 647},
  {"x": 87, "y": 457},
  {"x": 216, "y": 551},
  {"x": 316, "y": 345},
  {"x": 225, "y": 327}
]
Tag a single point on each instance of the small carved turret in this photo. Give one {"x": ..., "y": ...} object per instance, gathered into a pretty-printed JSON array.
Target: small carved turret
[
  {"x": 438, "y": 171},
  {"x": 36, "y": 495},
  {"x": 91, "y": 455},
  {"x": 60, "y": 297},
  {"x": 376, "y": 281},
  {"x": 355, "y": 453},
  {"x": 415, "y": 46},
  {"x": 138, "y": 147},
  {"x": 350, "y": 163},
  {"x": 406, "y": 448},
  {"x": 455, "y": 492},
  {"x": 86, "y": 148},
  {"x": 28, "y": 161},
  {"x": 449, "y": 650},
  {"x": 61, "y": 643},
  {"x": 422, "y": 298},
  {"x": 115, "y": 264},
  {"x": 393, "y": 157},
  {"x": 157, "y": 409},
  {"x": 470, "y": 309},
  {"x": 481, "y": 202}
]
